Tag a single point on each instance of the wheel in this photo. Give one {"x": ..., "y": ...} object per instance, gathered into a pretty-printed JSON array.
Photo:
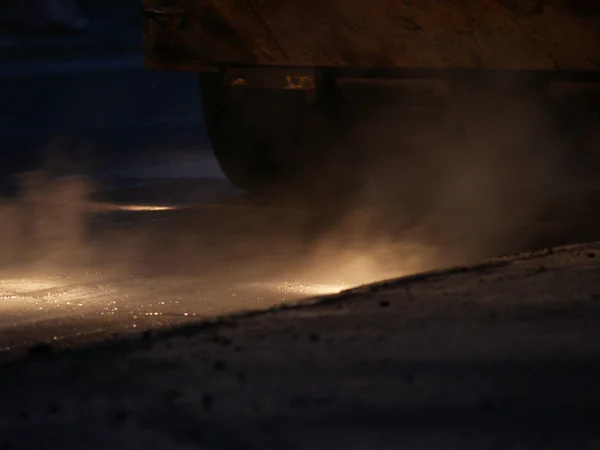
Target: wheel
[{"x": 278, "y": 141}]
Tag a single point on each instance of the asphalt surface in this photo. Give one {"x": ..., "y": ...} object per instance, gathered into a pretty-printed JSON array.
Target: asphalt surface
[
  {"x": 498, "y": 355},
  {"x": 132, "y": 226}
]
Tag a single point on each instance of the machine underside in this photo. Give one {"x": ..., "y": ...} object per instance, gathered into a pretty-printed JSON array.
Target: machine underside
[{"x": 263, "y": 60}]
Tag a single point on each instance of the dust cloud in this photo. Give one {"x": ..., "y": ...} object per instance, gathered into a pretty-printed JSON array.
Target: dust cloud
[
  {"x": 453, "y": 179},
  {"x": 469, "y": 176},
  {"x": 449, "y": 183}
]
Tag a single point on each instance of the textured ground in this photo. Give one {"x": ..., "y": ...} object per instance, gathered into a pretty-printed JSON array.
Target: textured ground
[{"x": 503, "y": 355}]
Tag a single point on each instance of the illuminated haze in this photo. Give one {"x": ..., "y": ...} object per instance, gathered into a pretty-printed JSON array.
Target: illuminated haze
[{"x": 434, "y": 198}]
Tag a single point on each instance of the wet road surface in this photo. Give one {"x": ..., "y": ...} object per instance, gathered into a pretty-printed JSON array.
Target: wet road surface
[
  {"x": 91, "y": 267},
  {"x": 138, "y": 253},
  {"x": 131, "y": 252}
]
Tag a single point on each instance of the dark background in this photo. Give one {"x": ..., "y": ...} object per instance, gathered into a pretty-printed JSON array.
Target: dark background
[{"x": 86, "y": 98}]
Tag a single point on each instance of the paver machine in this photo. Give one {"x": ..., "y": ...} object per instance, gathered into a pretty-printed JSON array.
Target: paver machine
[{"x": 275, "y": 75}]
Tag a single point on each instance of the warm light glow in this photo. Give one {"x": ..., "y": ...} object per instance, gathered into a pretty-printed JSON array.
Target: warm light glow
[
  {"x": 300, "y": 289},
  {"x": 15, "y": 293},
  {"x": 145, "y": 208},
  {"x": 325, "y": 289},
  {"x": 24, "y": 285},
  {"x": 133, "y": 208}
]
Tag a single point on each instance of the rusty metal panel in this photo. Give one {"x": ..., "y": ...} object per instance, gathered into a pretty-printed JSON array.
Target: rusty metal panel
[{"x": 387, "y": 34}]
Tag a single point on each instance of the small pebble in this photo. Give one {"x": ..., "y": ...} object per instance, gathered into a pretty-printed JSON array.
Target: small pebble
[
  {"x": 208, "y": 401},
  {"x": 298, "y": 402},
  {"x": 120, "y": 415},
  {"x": 219, "y": 364},
  {"x": 486, "y": 404},
  {"x": 53, "y": 408},
  {"x": 40, "y": 349}
]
